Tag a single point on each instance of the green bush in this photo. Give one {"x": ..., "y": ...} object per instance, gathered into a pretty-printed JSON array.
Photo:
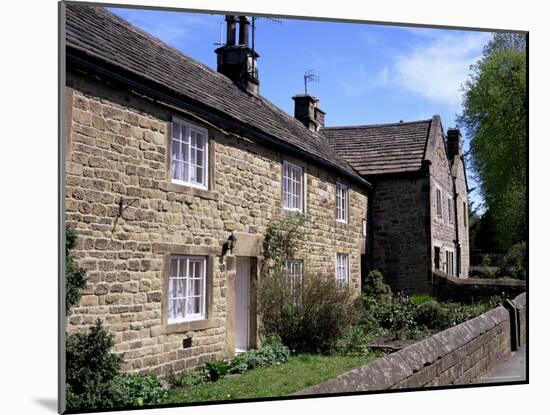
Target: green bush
[
  {"x": 75, "y": 276},
  {"x": 421, "y": 298},
  {"x": 393, "y": 317},
  {"x": 185, "y": 379},
  {"x": 314, "y": 319},
  {"x": 432, "y": 315},
  {"x": 374, "y": 286},
  {"x": 515, "y": 262},
  {"x": 141, "y": 389},
  {"x": 354, "y": 342},
  {"x": 214, "y": 370},
  {"x": 90, "y": 370},
  {"x": 266, "y": 356}
]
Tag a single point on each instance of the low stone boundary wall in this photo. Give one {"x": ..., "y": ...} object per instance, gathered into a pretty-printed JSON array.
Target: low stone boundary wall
[
  {"x": 450, "y": 287},
  {"x": 458, "y": 355}
]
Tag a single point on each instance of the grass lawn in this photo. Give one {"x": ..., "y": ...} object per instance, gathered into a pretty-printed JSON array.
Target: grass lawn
[{"x": 298, "y": 373}]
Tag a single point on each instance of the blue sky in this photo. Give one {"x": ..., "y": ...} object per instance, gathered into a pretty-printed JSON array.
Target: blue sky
[{"x": 369, "y": 74}]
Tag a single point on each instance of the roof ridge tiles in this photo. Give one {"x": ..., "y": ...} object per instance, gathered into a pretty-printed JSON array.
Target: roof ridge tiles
[{"x": 401, "y": 123}]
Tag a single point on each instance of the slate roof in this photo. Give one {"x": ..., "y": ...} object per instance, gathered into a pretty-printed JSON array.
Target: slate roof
[
  {"x": 381, "y": 149},
  {"x": 96, "y": 33}
]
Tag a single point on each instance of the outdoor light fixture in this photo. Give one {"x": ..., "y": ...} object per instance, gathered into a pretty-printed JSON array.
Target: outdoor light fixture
[{"x": 230, "y": 244}]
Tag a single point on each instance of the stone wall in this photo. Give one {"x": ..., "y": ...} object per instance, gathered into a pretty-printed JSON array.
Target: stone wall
[
  {"x": 443, "y": 230},
  {"x": 117, "y": 148},
  {"x": 468, "y": 289},
  {"x": 400, "y": 232},
  {"x": 462, "y": 217},
  {"x": 520, "y": 304},
  {"x": 456, "y": 356}
]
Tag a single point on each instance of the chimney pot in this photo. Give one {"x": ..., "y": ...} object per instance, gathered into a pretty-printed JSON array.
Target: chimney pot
[
  {"x": 231, "y": 28},
  {"x": 243, "y": 30}
]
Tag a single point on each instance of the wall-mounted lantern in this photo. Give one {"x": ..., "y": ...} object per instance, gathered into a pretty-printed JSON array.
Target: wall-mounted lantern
[{"x": 230, "y": 244}]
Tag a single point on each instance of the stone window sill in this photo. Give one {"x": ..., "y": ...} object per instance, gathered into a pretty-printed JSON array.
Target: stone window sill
[
  {"x": 194, "y": 325},
  {"x": 340, "y": 224},
  {"x": 189, "y": 190}
]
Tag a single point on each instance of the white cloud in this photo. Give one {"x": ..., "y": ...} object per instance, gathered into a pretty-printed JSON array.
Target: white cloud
[
  {"x": 365, "y": 81},
  {"x": 437, "y": 68}
]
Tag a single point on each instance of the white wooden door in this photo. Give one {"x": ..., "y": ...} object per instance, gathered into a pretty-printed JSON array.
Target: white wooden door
[{"x": 242, "y": 304}]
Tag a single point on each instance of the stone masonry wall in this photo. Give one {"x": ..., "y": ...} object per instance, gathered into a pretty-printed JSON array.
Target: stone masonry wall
[
  {"x": 456, "y": 356},
  {"x": 463, "y": 219},
  {"x": 443, "y": 230},
  {"x": 400, "y": 232},
  {"x": 117, "y": 147}
]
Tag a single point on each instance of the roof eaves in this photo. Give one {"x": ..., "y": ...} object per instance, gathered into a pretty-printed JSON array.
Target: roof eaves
[{"x": 137, "y": 81}]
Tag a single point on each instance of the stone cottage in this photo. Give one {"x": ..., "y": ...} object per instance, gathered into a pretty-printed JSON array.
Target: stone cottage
[
  {"x": 167, "y": 163},
  {"x": 418, "y": 209},
  {"x": 174, "y": 171}
]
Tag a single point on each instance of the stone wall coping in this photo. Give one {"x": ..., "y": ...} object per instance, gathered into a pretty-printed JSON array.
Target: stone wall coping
[
  {"x": 388, "y": 371},
  {"x": 520, "y": 301},
  {"x": 480, "y": 281}
]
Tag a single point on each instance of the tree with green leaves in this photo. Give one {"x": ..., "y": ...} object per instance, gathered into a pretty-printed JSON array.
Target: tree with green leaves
[{"x": 495, "y": 118}]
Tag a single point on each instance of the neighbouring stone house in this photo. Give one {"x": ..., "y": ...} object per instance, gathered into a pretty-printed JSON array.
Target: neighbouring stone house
[
  {"x": 167, "y": 161},
  {"x": 418, "y": 209}
]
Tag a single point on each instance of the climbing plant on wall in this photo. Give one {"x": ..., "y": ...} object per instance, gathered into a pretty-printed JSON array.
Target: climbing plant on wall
[
  {"x": 282, "y": 239},
  {"x": 75, "y": 276}
]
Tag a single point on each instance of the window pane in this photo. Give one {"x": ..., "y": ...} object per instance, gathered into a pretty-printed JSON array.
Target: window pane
[
  {"x": 199, "y": 140},
  {"x": 197, "y": 287},
  {"x": 197, "y": 269},
  {"x": 176, "y": 130},
  {"x": 200, "y": 158},
  {"x": 184, "y": 134},
  {"x": 176, "y": 150},
  {"x": 171, "y": 310}
]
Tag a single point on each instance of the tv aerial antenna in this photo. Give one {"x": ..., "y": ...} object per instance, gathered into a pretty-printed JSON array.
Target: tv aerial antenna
[
  {"x": 267, "y": 19},
  {"x": 309, "y": 76},
  {"x": 221, "y": 42}
]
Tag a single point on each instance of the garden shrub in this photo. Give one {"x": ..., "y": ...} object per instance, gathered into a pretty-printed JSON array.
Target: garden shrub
[
  {"x": 354, "y": 342},
  {"x": 432, "y": 315},
  {"x": 214, "y": 370},
  {"x": 374, "y": 286},
  {"x": 315, "y": 321},
  {"x": 419, "y": 299},
  {"x": 515, "y": 262},
  {"x": 90, "y": 370},
  {"x": 141, "y": 389},
  {"x": 75, "y": 276},
  {"x": 394, "y": 316},
  {"x": 266, "y": 356},
  {"x": 185, "y": 379}
]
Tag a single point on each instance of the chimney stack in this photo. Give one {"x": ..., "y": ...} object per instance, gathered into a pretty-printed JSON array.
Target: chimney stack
[
  {"x": 454, "y": 142},
  {"x": 308, "y": 112},
  {"x": 238, "y": 61}
]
